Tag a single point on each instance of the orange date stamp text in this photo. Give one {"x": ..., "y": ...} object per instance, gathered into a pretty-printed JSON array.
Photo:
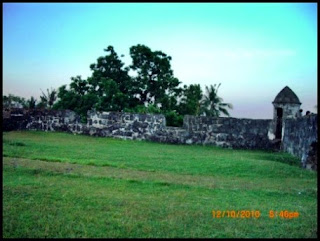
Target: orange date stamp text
[{"x": 236, "y": 214}]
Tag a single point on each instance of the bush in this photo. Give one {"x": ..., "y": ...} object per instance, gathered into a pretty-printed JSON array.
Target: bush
[{"x": 174, "y": 119}]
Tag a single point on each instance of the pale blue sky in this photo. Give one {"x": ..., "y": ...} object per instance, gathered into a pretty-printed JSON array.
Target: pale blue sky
[{"x": 253, "y": 50}]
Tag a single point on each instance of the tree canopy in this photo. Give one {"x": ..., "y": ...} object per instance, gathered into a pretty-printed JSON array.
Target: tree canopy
[
  {"x": 152, "y": 88},
  {"x": 13, "y": 101}
]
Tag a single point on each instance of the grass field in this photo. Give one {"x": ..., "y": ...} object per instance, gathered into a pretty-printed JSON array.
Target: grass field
[{"x": 63, "y": 185}]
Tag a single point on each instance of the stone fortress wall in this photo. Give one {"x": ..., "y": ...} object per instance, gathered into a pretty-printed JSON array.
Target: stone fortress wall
[
  {"x": 299, "y": 133},
  {"x": 297, "y": 136},
  {"x": 300, "y": 138},
  {"x": 225, "y": 132}
]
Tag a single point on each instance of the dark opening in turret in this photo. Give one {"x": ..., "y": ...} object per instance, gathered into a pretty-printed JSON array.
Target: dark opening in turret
[{"x": 279, "y": 123}]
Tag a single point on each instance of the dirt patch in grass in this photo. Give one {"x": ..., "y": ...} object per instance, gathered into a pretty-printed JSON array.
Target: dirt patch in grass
[{"x": 287, "y": 185}]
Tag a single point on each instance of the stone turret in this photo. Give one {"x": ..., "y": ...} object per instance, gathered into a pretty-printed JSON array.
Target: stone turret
[{"x": 286, "y": 105}]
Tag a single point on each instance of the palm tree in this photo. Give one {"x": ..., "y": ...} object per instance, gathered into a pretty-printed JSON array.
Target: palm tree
[
  {"x": 50, "y": 98},
  {"x": 212, "y": 104},
  {"x": 32, "y": 103}
]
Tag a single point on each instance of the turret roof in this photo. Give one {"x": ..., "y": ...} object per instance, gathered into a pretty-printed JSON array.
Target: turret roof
[{"x": 286, "y": 95}]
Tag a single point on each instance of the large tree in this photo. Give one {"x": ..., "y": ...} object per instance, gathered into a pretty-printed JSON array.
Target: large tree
[
  {"x": 77, "y": 98},
  {"x": 212, "y": 104},
  {"x": 109, "y": 75},
  {"x": 155, "y": 82},
  {"x": 152, "y": 89},
  {"x": 109, "y": 88},
  {"x": 191, "y": 100}
]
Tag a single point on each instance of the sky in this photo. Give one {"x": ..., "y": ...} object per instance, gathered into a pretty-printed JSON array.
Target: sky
[{"x": 253, "y": 49}]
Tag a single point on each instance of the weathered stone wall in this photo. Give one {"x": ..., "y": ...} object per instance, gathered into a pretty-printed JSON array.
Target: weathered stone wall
[
  {"x": 125, "y": 125},
  {"x": 122, "y": 125},
  {"x": 45, "y": 120},
  {"x": 225, "y": 132},
  {"x": 228, "y": 132},
  {"x": 14, "y": 119},
  {"x": 300, "y": 136}
]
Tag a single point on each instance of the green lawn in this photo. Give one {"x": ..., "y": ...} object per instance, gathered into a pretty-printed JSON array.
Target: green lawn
[{"x": 64, "y": 185}]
